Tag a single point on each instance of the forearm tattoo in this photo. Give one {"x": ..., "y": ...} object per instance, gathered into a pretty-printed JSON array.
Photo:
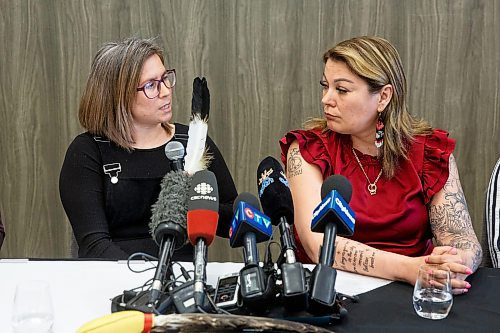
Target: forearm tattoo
[
  {"x": 350, "y": 258},
  {"x": 450, "y": 219},
  {"x": 294, "y": 163}
]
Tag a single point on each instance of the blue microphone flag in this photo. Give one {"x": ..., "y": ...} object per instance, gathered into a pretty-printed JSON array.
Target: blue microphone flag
[
  {"x": 247, "y": 218},
  {"x": 334, "y": 207}
]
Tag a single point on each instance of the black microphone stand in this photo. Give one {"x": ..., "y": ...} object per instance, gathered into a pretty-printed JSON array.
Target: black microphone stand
[
  {"x": 257, "y": 283},
  {"x": 295, "y": 291},
  {"x": 323, "y": 294}
]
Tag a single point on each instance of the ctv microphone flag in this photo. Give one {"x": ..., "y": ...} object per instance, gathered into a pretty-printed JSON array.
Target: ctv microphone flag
[
  {"x": 248, "y": 218},
  {"x": 248, "y": 228}
]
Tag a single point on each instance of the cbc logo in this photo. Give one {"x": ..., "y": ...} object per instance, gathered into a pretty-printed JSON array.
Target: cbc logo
[{"x": 203, "y": 188}]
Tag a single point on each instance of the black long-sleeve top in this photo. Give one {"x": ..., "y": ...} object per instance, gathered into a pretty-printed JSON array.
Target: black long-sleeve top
[{"x": 110, "y": 218}]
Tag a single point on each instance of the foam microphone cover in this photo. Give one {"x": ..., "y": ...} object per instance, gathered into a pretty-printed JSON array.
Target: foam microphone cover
[
  {"x": 247, "y": 197},
  {"x": 339, "y": 183},
  {"x": 274, "y": 193},
  {"x": 168, "y": 216},
  {"x": 203, "y": 207}
]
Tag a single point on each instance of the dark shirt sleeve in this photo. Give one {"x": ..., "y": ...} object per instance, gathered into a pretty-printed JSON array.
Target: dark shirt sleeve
[
  {"x": 82, "y": 195},
  {"x": 227, "y": 189}
]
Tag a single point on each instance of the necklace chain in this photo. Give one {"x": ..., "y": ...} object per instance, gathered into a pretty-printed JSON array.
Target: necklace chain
[{"x": 372, "y": 187}]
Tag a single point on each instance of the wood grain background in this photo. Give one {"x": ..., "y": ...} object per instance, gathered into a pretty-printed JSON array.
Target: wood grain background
[{"x": 263, "y": 64}]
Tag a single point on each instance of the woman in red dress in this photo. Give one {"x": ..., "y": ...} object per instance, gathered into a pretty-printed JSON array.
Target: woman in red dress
[{"x": 409, "y": 204}]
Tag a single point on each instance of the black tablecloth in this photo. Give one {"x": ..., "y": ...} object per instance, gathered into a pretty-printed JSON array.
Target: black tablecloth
[{"x": 390, "y": 309}]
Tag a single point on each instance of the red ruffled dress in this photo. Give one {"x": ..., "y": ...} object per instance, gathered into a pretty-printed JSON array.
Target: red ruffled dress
[{"x": 396, "y": 218}]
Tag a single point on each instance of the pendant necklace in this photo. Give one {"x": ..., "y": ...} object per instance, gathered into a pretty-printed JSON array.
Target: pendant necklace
[{"x": 372, "y": 187}]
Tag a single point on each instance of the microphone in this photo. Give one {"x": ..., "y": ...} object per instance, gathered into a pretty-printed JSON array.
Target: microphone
[
  {"x": 332, "y": 216},
  {"x": 276, "y": 200},
  {"x": 249, "y": 227},
  {"x": 175, "y": 154},
  {"x": 168, "y": 224},
  {"x": 202, "y": 218}
]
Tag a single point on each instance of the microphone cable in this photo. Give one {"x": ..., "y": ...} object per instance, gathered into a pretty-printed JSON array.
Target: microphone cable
[{"x": 144, "y": 256}]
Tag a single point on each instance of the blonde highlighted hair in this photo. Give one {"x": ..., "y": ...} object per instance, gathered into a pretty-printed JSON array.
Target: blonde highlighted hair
[
  {"x": 105, "y": 106},
  {"x": 377, "y": 62}
]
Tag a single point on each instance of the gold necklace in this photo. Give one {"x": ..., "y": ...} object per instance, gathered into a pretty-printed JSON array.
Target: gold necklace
[{"x": 372, "y": 187}]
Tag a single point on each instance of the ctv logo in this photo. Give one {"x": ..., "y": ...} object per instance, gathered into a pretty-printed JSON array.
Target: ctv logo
[{"x": 249, "y": 213}]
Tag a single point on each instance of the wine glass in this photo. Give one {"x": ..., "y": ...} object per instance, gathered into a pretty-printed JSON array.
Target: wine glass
[
  {"x": 32, "y": 311},
  {"x": 432, "y": 297}
]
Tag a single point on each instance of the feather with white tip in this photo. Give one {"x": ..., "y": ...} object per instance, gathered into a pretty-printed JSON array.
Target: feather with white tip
[{"x": 197, "y": 157}]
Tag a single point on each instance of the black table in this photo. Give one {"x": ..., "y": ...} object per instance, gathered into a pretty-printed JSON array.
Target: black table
[{"x": 390, "y": 309}]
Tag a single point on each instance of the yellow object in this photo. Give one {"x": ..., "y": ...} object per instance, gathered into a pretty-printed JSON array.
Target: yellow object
[{"x": 122, "y": 322}]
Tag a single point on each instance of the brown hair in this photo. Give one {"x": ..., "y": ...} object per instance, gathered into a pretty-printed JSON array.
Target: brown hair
[
  {"x": 377, "y": 62},
  {"x": 105, "y": 106}
]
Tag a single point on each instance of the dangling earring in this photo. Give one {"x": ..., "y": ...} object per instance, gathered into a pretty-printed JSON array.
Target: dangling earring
[{"x": 379, "y": 135}]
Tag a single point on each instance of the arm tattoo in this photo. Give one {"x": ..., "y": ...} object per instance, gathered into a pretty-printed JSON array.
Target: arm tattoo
[
  {"x": 294, "y": 163},
  {"x": 450, "y": 220},
  {"x": 350, "y": 258}
]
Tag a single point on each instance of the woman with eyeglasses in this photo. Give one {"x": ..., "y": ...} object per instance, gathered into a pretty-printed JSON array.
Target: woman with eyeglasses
[
  {"x": 406, "y": 193},
  {"x": 111, "y": 174}
]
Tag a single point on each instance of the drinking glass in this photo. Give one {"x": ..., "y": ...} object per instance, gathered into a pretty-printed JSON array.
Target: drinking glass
[
  {"x": 32, "y": 309},
  {"x": 432, "y": 297}
]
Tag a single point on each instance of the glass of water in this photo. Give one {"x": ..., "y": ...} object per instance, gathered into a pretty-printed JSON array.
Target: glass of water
[
  {"x": 432, "y": 297},
  {"x": 32, "y": 309}
]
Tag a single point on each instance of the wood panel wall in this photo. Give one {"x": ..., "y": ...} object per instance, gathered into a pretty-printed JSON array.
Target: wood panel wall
[{"x": 263, "y": 63}]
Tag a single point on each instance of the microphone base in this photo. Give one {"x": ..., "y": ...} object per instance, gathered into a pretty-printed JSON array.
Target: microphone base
[
  {"x": 295, "y": 290},
  {"x": 276, "y": 310},
  {"x": 184, "y": 299},
  {"x": 139, "y": 301},
  {"x": 256, "y": 288},
  {"x": 323, "y": 294},
  {"x": 253, "y": 283}
]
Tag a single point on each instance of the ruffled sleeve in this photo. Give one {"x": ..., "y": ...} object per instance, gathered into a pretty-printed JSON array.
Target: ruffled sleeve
[
  {"x": 437, "y": 148},
  {"x": 313, "y": 145}
]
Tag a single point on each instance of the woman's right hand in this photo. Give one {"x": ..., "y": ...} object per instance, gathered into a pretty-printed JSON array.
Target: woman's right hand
[{"x": 450, "y": 258}]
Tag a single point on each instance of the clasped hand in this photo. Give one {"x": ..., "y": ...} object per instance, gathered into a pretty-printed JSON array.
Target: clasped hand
[{"x": 449, "y": 257}]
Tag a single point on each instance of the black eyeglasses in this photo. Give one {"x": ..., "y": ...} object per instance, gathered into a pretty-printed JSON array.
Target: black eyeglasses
[{"x": 152, "y": 88}]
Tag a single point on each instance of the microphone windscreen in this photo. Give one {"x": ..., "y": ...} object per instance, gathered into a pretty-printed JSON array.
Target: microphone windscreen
[
  {"x": 203, "y": 207},
  {"x": 339, "y": 183},
  {"x": 169, "y": 212},
  {"x": 274, "y": 193},
  {"x": 247, "y": 197},
  {"x": 174, "y": 150}
]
